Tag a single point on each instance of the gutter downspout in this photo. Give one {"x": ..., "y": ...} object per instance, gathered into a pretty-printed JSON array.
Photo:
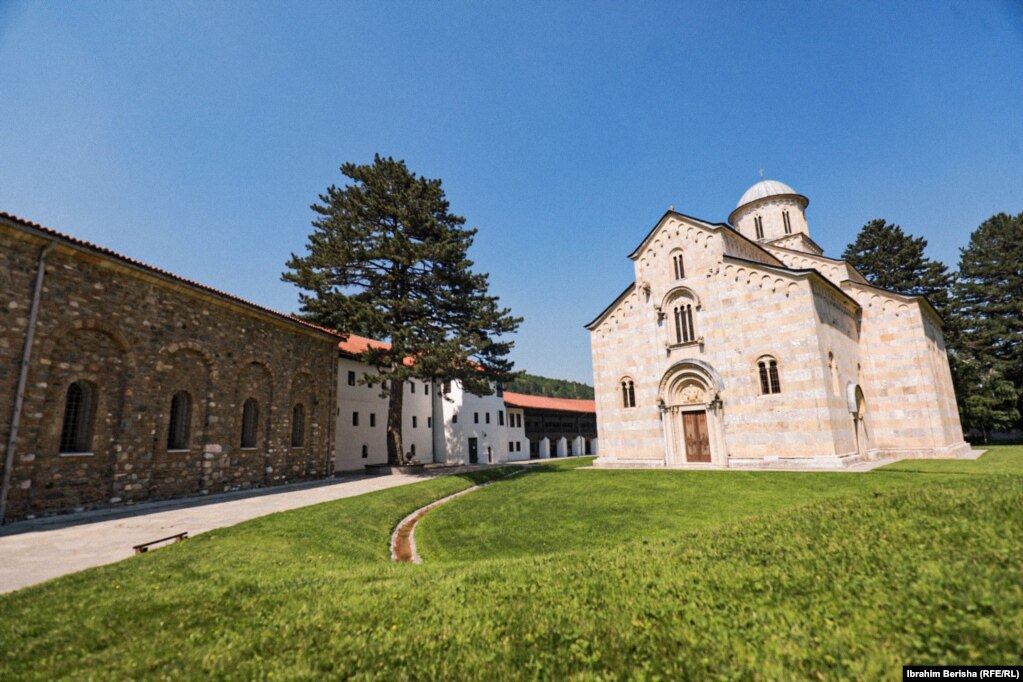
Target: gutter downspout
[{"x": 19, "y": 399}]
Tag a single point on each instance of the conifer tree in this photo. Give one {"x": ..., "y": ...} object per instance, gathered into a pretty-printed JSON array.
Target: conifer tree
[
  {"x": 989, "y": 297},
  {"x": 891, "y": 259},
  {"x": 387, "y": 257}
]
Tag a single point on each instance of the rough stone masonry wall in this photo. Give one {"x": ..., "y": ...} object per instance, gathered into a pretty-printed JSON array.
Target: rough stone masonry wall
[{"x": 138, "y": 339}]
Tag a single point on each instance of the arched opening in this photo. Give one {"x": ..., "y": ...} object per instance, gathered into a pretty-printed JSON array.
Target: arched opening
[
  {"x": 250, "y": 422},
  {"x": 298, "y": 426},
  {"x": 179, "y": 425},
  {"x": 691, "y": 414},
  {"x": 79, "y": 413}
]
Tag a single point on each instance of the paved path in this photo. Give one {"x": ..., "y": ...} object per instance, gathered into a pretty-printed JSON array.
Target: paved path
[{"x": 41, "y": 549}]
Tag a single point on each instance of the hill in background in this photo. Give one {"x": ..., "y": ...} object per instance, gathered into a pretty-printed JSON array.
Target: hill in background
[{"x": 531, "y": 384}]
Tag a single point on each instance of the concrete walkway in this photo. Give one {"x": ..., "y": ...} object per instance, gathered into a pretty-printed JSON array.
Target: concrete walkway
[{"x": 41, "y": 549}]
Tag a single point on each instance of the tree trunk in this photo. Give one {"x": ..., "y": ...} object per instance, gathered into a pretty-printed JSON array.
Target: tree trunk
[{"x": 395, "y": 453}]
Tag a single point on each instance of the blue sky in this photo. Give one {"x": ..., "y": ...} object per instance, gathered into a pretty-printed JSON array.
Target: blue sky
[{"x": 195, "y": 135}]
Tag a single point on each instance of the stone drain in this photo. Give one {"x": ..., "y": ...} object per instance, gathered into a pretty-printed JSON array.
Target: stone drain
[{"x": 403, "y": 539}]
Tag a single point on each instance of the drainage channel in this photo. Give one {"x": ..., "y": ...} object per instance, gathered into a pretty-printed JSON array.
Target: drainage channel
[{"x": 403, "y": 539}]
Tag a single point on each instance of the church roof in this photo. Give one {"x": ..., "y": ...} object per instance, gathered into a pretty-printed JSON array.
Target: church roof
[{"x": 763, "y": 189}]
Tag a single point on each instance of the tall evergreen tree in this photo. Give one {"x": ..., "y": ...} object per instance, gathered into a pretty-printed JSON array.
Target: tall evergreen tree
[
  {"x": 893, "y": 260},
  {"x": 386, "y": 257},
  {"x": 989, "y": 296}
]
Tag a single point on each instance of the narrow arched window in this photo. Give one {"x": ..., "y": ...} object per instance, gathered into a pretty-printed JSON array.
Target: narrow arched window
[
  {"x": 179, "y": 426},
  {"x": 678, "y": 265},
  {"x": 769, "y": 381},
  {"x": 684, "y": 331},
  {"x": 788, "y": 224},
  {"x": 298, "y": 426},
  {"x": 628, "y": 393},
  {"x": 79, "y": 410},
  {"x": 250, "y": 422},
  {"x": 758, "y": 222}
]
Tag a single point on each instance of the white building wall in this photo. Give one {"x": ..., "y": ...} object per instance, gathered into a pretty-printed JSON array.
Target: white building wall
[
  {"x": 366, "y": 442},
  {"x": 518, "y": 444},
  {"x": 466, "y": 416}
]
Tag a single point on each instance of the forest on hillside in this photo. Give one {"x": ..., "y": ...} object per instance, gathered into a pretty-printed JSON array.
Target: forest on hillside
[{"x": 532, "y": 384}]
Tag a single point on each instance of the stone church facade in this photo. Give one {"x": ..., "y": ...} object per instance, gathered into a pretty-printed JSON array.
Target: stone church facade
[
  {"x": 742, "y": 345},
  {"x": 142, "y": 385}
]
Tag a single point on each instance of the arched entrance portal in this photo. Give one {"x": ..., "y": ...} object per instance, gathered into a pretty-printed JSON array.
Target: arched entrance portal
[{"x": 691, "y": 414}]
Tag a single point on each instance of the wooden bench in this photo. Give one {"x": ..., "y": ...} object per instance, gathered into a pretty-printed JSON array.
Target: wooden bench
[{"x": 144, "y": 547}]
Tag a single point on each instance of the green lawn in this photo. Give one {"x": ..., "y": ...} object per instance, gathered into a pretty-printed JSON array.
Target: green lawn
[{"x": 566, "y": 574}]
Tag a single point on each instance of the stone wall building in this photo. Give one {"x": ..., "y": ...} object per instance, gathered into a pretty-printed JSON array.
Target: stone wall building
[
  {"x": 742, "y": 345},
  {"x": 142, "y": 385}
]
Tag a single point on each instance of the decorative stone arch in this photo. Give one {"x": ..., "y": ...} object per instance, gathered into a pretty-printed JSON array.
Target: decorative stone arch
[
  {"x": 183, "y": 366},
  {"x": 197, "y": 348},
  {"x": 692, "y": 415},
  {"x": 679, "y": 291}
]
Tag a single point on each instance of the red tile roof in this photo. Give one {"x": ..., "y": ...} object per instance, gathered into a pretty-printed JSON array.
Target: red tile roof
[
  {"x": 89, "y": 246},
  {"x": 539, "y": 402},
  {"x": 356, "y": 344}
]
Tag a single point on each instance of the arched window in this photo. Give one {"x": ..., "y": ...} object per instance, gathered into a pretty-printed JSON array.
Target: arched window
[
  {"x": 628, "y": 393},
  {"x": 250, "y": 422},
  {"x": 79, "y": 410},
  {"x": 768, "y": 370},
  {"x": 678, "y": 265},
  {"x": 298, "y": 426},
  {"x": 788, "y": 223},
  {"x": 684, "y": 331},
  {"x": 179, "y": 426},
  {"x": 758, "y": 222}
]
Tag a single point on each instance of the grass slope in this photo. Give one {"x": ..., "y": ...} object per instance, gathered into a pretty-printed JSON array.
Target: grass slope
[
  {"x": 542, "y": 513},
  {"x": 850, "y": 585}
]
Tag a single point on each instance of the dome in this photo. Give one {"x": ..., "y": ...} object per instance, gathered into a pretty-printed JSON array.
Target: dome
[{"x": 765, "y": 188}]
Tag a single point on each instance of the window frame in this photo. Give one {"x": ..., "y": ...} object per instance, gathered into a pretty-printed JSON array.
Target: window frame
[
  {"x": 179, "y": 427},
  {"x": 78, "y": 421},
  {"x": 250, "y": 425}
]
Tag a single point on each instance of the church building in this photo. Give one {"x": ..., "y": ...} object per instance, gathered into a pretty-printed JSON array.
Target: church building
[{"x": 741, "y": 345}]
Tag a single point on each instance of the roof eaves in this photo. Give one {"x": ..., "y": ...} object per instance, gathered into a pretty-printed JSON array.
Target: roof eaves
[
  {"x": 660, "y": 221},
  {"x": 80, "y": 244},
  {"x": 600, "y": 318},
  {"x": 801, "y": 273}
]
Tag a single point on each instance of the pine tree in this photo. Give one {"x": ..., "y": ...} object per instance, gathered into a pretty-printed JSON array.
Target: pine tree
[
  {"x": 891, "y": 259},
  {"x": 387, "y": 258},
  {"x": 989, "y": 296}
]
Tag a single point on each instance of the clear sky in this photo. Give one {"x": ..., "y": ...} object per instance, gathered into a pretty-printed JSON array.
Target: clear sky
[{"x": 195, "y": 135}]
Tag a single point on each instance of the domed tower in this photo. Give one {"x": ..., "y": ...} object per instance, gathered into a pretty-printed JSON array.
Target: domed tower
[{"x": 769, "y": 210}]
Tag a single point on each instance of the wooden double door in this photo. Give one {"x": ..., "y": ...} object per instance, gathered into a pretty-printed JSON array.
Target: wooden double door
[{"x": 694, "y": 426}]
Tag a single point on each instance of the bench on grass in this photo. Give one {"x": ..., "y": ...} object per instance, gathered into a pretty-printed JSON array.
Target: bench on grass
[{"x": 144, "y": 547}]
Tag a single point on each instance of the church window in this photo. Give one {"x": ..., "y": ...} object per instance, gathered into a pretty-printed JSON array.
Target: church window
[
  {"x": 628, "y": 393},
  {"x": 180, "y": 423},
  {"x": 412, "y": 386},
  {"x": 758, "y": 222},
  {"x": 79, "y": 408},
  {"x": 372, "y": 419},
  {"x": 351, "y": 378},
  {"x": 678, "y": 265},
  {"x": 415, "y": 422},
  {"x": 500, "y": 417},
  {"x": 785, "y": 219},
  {"x": 250, "y": 422},
  {"x": 298, "y": 426},
  {"x": 684, "y": 331},
  {"x": 769, "y": 381}
]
